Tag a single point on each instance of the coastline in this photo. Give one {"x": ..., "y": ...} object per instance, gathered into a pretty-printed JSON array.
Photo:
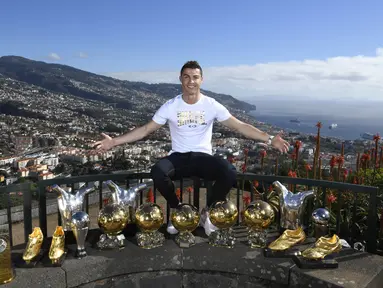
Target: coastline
[{"x": 348, "y": 129}]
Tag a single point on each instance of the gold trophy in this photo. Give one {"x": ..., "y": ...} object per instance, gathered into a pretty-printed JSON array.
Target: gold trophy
[
  {"x": 320, "y": 254},
  {"x": 149, "y": 218},
  {"x": 112, "y": 219},
  {"x": 32, "y": 252},
  {"x": 257, "y": 217},
  {"x": 282, "y": 246},
  {"x": 6, "y": 269},
  {"x": 223, "y": 215},
  {"x": 185, "y": 219},
  {"x": 57, "y": 249}
]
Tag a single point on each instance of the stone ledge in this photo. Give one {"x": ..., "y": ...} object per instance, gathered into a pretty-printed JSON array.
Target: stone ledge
[{"x": 199, "y": 266}]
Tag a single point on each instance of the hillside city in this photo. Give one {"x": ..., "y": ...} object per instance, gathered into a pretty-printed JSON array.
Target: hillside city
[{"x": 46, "y": 134}]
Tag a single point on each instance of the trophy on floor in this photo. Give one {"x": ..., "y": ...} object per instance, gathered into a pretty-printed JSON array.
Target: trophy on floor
[
  {"x": 112, "y": 220},
  {"x": 283, "y": 246},
  {"x": 320, "y": 218},
  {"x": 69, "y": 203},
  {"x": 33, "y": 252},
  {"x": 185, "y": 218},
  {"x": 149, "y": 218},
  {"x": 57, "y": 251},
  {"x": 292, "y": 206},
  {"x": 6, "y": 270},
  {"x": 223, "y": 215},
  {"x": 80, "y": 226},
  {"x": 127, "y": 198},
  {"x": 320, "y": 255},
  {"x": 258, "y": 215}
]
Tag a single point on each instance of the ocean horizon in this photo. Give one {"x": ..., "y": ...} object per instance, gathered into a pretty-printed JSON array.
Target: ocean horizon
[{"x": 348, "y": 128}]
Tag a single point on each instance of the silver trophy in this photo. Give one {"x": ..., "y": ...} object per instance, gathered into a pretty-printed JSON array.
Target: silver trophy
[
  {"x": 126, "y": 198},
  {"x": 321, "y": 219},
  {"x": 69, "y": 203},
  {"x": 80, "y": 227},
  {"x": 292, "y": 206}
]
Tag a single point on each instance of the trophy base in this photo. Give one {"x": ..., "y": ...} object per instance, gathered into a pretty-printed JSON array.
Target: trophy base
[
  {"x": 222, "y": 238},
  {"x": 185, "y": 239},
  {"x": 80, "y": 253},
  {"x": 31, "y": 263},
  {"x": 257, "y": 238},
  {"x": 56, "y": 262},
  {"x": 304, "y": 263},
  {"x": 111, "y": 242},
  {"x": 8, "y": 279},
  {"x": 289, "y": 253},
  {"x": 150, "y": 240}
]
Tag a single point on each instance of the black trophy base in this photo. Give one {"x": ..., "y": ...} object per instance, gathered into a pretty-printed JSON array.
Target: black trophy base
[
  {"x": 326, "y": 263},
  {"x": 289, "y": 253},
  {"x": 56, "y": 263},
  {"x": 21, "y": 263},
  {"x": 80, "y": 253}
]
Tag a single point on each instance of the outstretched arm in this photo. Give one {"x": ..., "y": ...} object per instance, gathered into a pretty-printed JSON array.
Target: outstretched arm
[
  {"x": 132, "y": 136},
  {"x": 254, "y": 133}
]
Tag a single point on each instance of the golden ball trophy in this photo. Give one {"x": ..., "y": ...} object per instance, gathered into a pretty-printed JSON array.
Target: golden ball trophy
[
  {"x": 149, "y": 218},
  {"x": 258, "y": 216},
  {"x": 112, "y": 220},
  {"x": 6, "y": 269},
  {"x": 185, "y": 218},
  {"x": 223, "y": 215}
]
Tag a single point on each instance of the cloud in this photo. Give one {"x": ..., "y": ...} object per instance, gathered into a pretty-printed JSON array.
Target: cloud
[
  {"x": 54, "y": 56},
  {"x": 82, "y": 55},
  {"x": 355, "y": 77}
]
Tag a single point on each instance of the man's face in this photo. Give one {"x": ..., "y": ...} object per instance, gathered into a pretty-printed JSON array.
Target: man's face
[{"x": 191, "y": 80}]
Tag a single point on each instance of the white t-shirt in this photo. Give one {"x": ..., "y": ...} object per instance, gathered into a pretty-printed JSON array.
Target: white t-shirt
[{"x": 191, "y": 125}]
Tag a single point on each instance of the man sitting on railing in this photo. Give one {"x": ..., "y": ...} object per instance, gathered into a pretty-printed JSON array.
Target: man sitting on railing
[{"x": 190, "y": 117}]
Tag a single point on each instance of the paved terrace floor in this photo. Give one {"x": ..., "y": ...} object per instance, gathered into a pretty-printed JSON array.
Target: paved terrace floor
[{"x": 199, "y": 266}]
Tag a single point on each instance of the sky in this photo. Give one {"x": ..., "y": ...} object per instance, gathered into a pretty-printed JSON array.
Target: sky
[{"x": 255, "y": 50}]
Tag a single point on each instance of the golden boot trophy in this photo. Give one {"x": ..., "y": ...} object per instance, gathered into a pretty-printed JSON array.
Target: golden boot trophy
[
  {"x": 283, "y": 245},
  {"x": 258, "y": 216},
  {"x": 57, "y": 249},
  {"x": 149, "y": 218},
  {"x": 320, "y": 254},
  {"x": 6, "y": 270},
  {"x": 223, "y": 215},
  {"x": 32, "y": 251}
]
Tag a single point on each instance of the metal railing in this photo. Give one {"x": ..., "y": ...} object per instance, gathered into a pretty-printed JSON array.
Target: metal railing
[{"x": 357, "y": 196}]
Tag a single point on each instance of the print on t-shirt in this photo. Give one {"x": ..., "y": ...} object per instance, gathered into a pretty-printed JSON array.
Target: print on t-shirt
[{"x": 191, "y": 118}]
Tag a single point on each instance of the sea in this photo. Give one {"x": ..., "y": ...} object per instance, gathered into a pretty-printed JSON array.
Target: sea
[{"x": 348, "y": 127}]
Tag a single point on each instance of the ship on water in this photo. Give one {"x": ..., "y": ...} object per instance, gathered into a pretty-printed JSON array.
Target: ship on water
[
  {"x": 296, "y": 120},
  {"x": 333, "y": 126}
]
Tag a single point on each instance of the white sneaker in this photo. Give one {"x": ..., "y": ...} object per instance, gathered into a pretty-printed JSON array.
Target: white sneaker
[
  {"x": 171, "y": 229},
  {"x": 206, "y": 224}
]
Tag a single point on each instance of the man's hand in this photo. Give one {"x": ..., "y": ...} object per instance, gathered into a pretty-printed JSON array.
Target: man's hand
[
  {"x": 105, "y": 144},
  {"x": 280, "y": 144}
]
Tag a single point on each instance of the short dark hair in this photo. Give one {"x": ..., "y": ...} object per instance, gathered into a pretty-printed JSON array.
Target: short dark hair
[{"x": 191, "y": 65}]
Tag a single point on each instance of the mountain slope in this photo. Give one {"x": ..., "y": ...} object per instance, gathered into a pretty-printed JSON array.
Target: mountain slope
[{"x": 129, "y": 95}]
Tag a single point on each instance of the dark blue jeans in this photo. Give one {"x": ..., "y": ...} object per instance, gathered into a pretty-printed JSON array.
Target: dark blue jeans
[{"x": 193, "y": 164}]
